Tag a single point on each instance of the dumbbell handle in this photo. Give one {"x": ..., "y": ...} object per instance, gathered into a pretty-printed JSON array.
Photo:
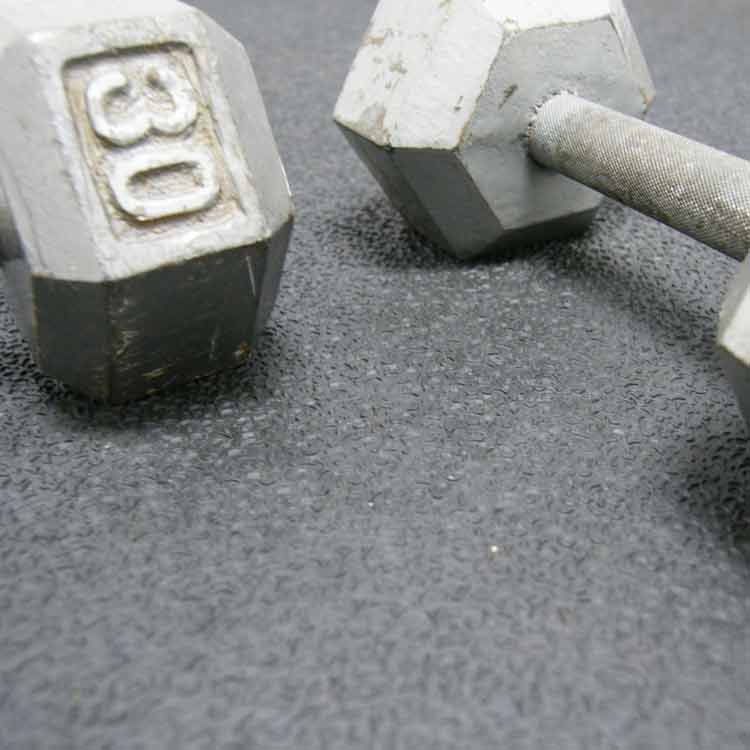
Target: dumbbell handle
[{"x": 696, "y": 189}]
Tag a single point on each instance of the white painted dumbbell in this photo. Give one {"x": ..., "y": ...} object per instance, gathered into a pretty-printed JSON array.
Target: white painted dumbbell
[
  {"x": 488, "y": 123},
  {"x": 146, "y": 212}
]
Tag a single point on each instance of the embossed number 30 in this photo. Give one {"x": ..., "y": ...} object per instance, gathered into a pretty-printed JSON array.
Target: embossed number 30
[{"x": 141, "y": 120}]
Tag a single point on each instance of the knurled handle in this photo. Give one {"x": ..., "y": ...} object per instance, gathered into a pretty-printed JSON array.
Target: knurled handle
[{"x": 694, "y": 188}]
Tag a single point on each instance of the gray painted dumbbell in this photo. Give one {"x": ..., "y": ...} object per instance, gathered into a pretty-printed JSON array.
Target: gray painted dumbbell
[
  {"x": 488, "y": 123},
  {"x": 146, "y": 213}
]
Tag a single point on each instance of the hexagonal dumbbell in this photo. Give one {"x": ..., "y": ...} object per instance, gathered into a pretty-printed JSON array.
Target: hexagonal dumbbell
[
  {"x": 146, "y": 212},
  {"x": 493, "y": 123}
]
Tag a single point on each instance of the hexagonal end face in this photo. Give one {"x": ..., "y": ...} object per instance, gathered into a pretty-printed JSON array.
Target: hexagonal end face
[
  {"x": 440, "y": 96},
  {"x": 734, "y": 337},
  {"x": 149, "y": 237}
]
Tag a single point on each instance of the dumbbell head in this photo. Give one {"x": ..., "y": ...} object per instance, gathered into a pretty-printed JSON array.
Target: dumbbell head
[
  {"x": 146, "y": 212},
  {"x": 439, "y": 101},
  {"x": 734, "y": 336}
]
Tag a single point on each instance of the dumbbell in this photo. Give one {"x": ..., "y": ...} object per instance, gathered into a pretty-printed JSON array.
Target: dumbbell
[
  {"x": 496, "y": 123},
  {"x": 145, "y": 213}
]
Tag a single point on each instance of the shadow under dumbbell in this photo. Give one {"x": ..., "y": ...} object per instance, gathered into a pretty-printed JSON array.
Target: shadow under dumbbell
[
  {"x": 251, "y": 383},
  {"x": 627, "y": 264},
  {"x": 714, "y": 476},
  {"x": 602, "y": 261},
  {"x": 376, "y": 233}
]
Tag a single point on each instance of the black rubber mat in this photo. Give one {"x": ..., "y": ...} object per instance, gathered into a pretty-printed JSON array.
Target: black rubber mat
[{"x": 491, "y": 505}]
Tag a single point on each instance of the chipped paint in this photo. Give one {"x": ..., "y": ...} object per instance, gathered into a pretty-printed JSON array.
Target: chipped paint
[
  {"x": 421, "y": 59},
  {"x": 242, "y": 352},
  {"x": 160, "y": 372}
]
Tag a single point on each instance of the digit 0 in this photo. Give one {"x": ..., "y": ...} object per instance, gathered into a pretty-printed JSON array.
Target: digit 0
[{"x": 150, "y": 161}]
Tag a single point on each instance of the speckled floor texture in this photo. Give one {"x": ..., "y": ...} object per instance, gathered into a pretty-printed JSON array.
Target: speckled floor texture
[{"x": 448, "y": 505}]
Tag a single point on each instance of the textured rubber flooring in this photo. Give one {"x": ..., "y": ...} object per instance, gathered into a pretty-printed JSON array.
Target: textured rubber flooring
[{"x": 489, "y": 505}]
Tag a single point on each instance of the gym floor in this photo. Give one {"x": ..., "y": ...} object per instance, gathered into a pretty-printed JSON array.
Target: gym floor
[{"x": 482, "y": 505}]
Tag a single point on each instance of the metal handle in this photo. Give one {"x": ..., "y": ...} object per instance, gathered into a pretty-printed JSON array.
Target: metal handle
[{"x": 696, "y": 189}]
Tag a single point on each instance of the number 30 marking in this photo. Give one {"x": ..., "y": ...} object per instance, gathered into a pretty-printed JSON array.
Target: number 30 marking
[{"x": 142, "y": 118}]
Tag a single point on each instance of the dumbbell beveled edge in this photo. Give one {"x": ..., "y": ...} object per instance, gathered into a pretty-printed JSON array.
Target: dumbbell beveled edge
[
  {"x": 153, "y": 256},
  {"x": 733, "y": 338}
]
